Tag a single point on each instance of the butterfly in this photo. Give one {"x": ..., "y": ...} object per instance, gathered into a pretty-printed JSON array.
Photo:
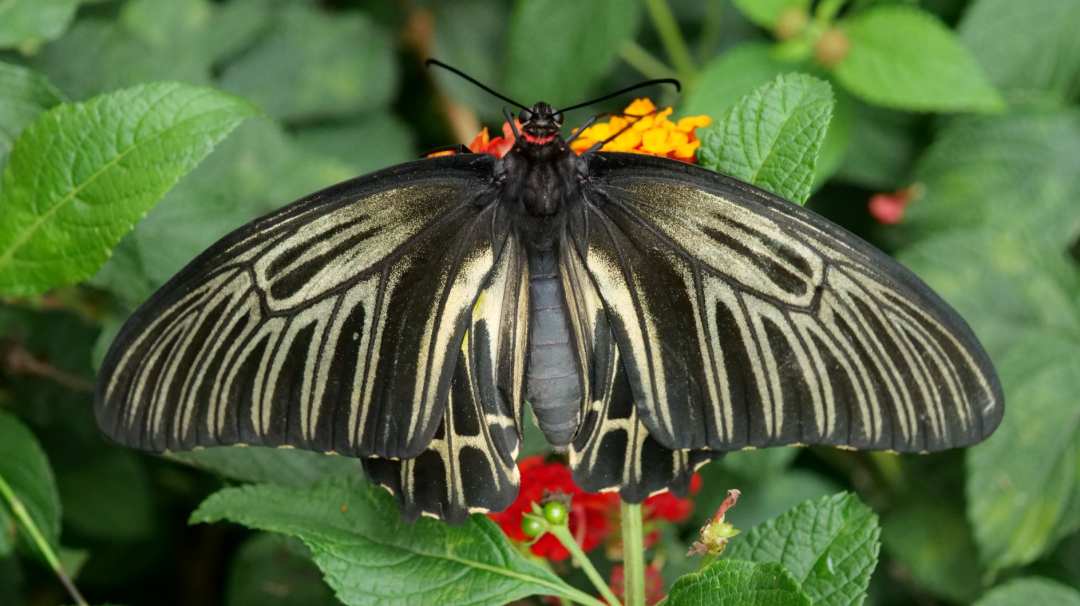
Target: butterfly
[{"x": 653, "y": 314}]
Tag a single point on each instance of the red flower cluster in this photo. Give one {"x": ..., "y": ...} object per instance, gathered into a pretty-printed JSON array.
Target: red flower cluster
[
  {"x": 593, "y": 516},
  {"x": 590, "y": 513}
]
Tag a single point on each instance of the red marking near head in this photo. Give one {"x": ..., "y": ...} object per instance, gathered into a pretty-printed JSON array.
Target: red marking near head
[{"x": 537, "y": 140}]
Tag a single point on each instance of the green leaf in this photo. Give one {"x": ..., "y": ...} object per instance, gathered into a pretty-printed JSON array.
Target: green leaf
[
  {"x": 931, "y": 540},
  {"x": 1002, "y": 36},
  {"x": 772, "y": 137},
  {"x": 313, "y": 64},
  {"x": 766, "y": 12},
  {"x": 28, "y": 23},
  {"x": 1008, "y": 274},
  {"x": 365, "y": 145},
  {"x": 829, "y": 545},
  {"x": 1029, "y": 591},
  {"x": 369, "y": 555},
  {"x": 904, "y": 58},
  {"x": 23, "y": 95},
  {"x": 471, "y": 36},
  {"x": 83, "y": 174},
  {"x": 284, "y": 466},
  {"x": 735, "y": 583},
  {"x": 541, "y": 29},
  {"x": 759, "y": 464},
  {"x": 24, "y": 468},
  {"x": 108, "y": 496},
  {"x": 730, "y": 77},
  {"x": 882, "y": 149},
  {"x": 271, "y": 570}
]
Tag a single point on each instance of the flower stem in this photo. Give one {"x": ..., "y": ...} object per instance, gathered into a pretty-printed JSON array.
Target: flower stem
[
  {"x": 633, "y": 553},
  {"x": 643, "y": 61},
  {"x": 31, "y": 528},
  {"x": 672, "y": 38},
  {"x": 562, "y": 532}
]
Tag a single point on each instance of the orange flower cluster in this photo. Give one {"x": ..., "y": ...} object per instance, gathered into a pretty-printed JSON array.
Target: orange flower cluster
[
  {"x": 644, "y": 129},
  {"x": 641, "y": 128}
]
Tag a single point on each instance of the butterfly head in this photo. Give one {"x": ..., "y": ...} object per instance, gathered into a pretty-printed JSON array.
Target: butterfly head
[{"x": 540, "y": 124}]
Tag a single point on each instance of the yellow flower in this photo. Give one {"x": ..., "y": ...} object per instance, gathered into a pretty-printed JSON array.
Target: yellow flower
[{"x": 643, "y": 128}]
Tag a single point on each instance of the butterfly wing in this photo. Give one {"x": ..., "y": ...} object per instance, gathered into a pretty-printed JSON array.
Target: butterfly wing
[
  {"x": 334, "y": 324},
  {"x": 745, "y": 320}
]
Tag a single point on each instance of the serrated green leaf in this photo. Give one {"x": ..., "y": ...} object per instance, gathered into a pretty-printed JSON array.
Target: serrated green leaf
[
  {"x": 27, "y": 23},
  {"x": 766, "y": 12},
  {"x": 25, "y": 469},
  {"x": 931, "y": 540},
  {"x": 829, "y": 545},
  {"x": 1008, "y": 274},
  {"x": 283, "y": 466},
  {"x": 271, "y": 570},
  {"x": 313, "y": 64},
  {"x": 83, "y": 174},
  {"x": 23, "y": 95},
  {"x": 1026, "y": 45},
  {"x": 369, "y": 555},
  {"x": 904, "y": 58},
  {"x": 566, "y": 72},
  {"x": 772, "y": 137},
  {"x": 735, "y": 583},
  {"x": 1030, "y": 591}
]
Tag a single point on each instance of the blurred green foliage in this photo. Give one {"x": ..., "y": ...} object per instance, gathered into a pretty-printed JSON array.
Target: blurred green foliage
[{"x": 974, "y": 102}]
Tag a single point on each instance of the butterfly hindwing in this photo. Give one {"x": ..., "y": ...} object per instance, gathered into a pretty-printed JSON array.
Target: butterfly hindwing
[
  {"x": 333, "y": 324},
  {"x": 470, "y": 464},
  {"x": 745, "y": 320}
]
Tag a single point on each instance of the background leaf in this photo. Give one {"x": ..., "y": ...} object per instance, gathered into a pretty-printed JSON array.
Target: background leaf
[
  {"x": 99, "y": 165},
  {"x": 1028, "y": 591},
  {"x": 766, "y": 12},
  {"x": 271, "y": 570},
  {"x": 370, "y": 556},
  {"x": 772, "y": 137},
  {"x": 735, "y": 583},
  {"x": 313, "y": 65},
  {"x": 904, "y": 58},
  {"x": 1000, "y": 34},
  {"x": 829, "y": 545},
  {"x": 540, "y": 28},
  {"x": 23, "y": 95},
  {"x": 27, "y": 23},
  {"x": 25, "y": 469}
]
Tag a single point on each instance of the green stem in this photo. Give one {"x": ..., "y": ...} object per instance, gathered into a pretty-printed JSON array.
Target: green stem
[
  {"x": 672, "y": 39},
  {"x": 643, "y": 61},
  {"x": 31, "y": 528},
  {"x": 562, "y": 532},
  {"x": 633, "y": 539}
]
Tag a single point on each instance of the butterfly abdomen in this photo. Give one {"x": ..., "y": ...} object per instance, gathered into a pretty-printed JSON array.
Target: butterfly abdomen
[{"x": 552, "y": 378}]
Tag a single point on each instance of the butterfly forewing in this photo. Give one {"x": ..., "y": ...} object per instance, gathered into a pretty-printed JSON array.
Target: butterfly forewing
[
  {"x": 745, "y": 320},
  {"x": 334, "y": 324}
]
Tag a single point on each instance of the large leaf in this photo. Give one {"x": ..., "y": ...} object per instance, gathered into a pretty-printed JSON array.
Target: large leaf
[
  {"x": 23, "y": 95},
  {"x": 370, "y": 556},
  {"x": 735, "y": 583},
  {"x": 931, "y": 540},
  {"x": 830, "y": 545},
  {"x": 772, "y": 137},
  {"x": 312, "y": 64},
  {"x": 998, "y": 216},
  {"x": 83, "y": 174},
  {"x": 28, "y": 23},
  {"x": 24, "y": 468},
  {"x": 1030, "y": 591},
  {"x": 904, "y": 58},
  {"x": 1026, "y": 45},
  {"x": 543, "y": 63},
  {"x": 284, "y": 466}
]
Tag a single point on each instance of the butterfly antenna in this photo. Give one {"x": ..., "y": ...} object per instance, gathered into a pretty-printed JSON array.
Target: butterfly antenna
[
  {"x": 672, "y": 81},
  {"x": 469, "y": 78}
]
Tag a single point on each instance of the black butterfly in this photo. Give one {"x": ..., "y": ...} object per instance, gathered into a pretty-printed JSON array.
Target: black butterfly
[{"x": 654, "y": 315}]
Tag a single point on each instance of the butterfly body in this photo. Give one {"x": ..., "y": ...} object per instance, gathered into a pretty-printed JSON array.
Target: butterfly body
[{"x": 653, "y": 314}]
